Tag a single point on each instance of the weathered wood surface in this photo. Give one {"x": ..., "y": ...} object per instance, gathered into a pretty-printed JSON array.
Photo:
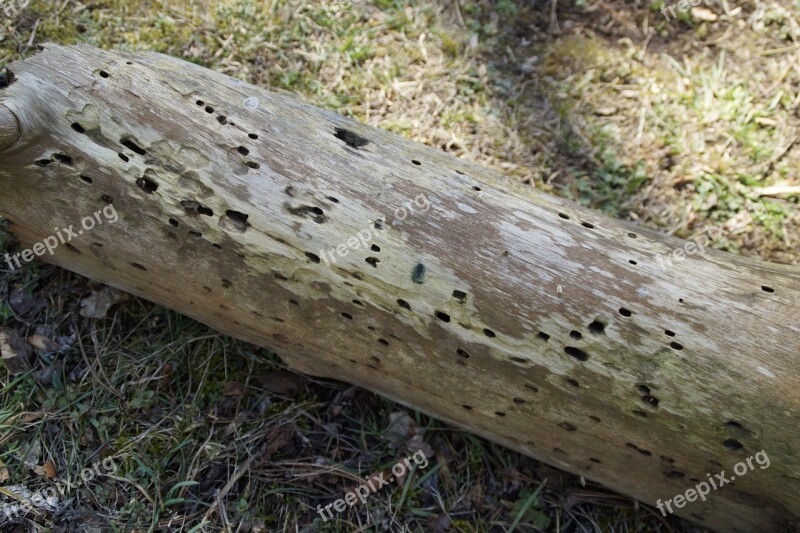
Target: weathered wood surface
[{"x": 535, "y": 323}]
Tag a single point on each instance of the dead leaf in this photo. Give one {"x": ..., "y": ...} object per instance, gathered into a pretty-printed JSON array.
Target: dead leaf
[
  {"x": 43, "y": 344},
  {"x": 704, "y": 14},
  {"x": 4, "y": 475},
  {"x": 233, "y": 388},
  {"x": 14, "y": 352},
  {"x": 32, "y": 417},
  {"x": 98, "y": 304},
  {"x": 281, "y": 382},
  {"x": 400, "y": 431},
  {"x": 48, "y": 469}
]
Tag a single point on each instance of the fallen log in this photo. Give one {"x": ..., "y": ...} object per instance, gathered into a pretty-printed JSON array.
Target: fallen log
[{"x": 642, "y": 362}]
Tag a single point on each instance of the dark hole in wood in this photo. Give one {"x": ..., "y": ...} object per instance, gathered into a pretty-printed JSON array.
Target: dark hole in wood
[
  {"x": 64, "y": 159},
  {"x": 519, "y": 401},
  {"x": 531, "y": 387},
  {"x": 597, "y": 327},
  {"x": 676, "y": 346},
  {"x": 107, "y": 199},
  {"x": 467, "y": 407},
  {"x": 77, "y": 127},
  {"x": 416, "y": 162},
  {"x": 459, "y": 295},
  {"x": 353, "y": 140},
  {"x": 253, "y": 164},
  {"x": 147, "y": 185},
  {"x": 404, "y": 304},
  {"x": 132, "y": 146},
  {"x": 333, "y": 199},
  {"x": 373, "y": 261},
  {"x": 564, "y": 216},
  {"x": 124, "y": 157},
  {"x": 644, "y": 389},
  {"x": 572, "y": 382},
  {"x": 418, "y": 274},
  {"x": 544, "y": 336},
  {"x": 103, "y": 74},
  {"x": 650, "y": 400},
  {"x": 733, "y": 444},
  {"x": 489, "y": 333},
  {"x": 767, "y": 289},
  {"x": 499, "y": 413},
  {"x": 313, "y": 257},
  {"x": 462, "y": 353},
  {"x": 576, "y": 335},
  {"x": 243, "y": 150},
  {"x": 209, "y": 109},
  {"x": 375, "y": 248},
  {"x": 348, "y": 316},
  {"x": 588, "y": 225},
  {"x": 238, "y": 219},
  {"x": 669, "y": 333},
  {"x": 476, "y": 189},
  {"x": 87, "y": 179},
  {"x": 568, "y": 426},
  {"x": 138, "y": 266},
  {"x": 444, "y": 317},
  {"x": 384, "y": 342},
  {"x": 43, "y": 162},
  {"x": 174, "y": 223},
  {"x": 253, "y": 136},
  {"x": 625, "y": 312},
  {"x": 577, "y": 353},
  {"x": 222, "y": 119}
]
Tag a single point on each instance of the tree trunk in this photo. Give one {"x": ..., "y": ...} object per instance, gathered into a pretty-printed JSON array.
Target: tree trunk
[{"x": 365, "y": 257}]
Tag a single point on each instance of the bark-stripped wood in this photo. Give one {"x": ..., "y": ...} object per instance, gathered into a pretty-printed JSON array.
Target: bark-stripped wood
[{"x": 518, "y": 316}]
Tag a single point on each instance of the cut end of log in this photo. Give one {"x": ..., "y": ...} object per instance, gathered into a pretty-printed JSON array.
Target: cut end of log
[{"x": 9, "y": 128}]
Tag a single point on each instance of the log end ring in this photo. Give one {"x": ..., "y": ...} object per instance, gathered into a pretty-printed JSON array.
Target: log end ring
[{"x": 9, "y": 128}]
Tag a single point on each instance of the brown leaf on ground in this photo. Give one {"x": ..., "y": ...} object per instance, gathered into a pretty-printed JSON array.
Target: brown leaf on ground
[
  {"x": 98, "y": 304},
  {"x": 14, "y": 352},
  {"x": 43, "y": 344},
  {"x": 233, "y": 388},
  {"x": 404, "y": 434},
  {"x": 281, "y": 382},
  {"x": 48, "y": 469}
]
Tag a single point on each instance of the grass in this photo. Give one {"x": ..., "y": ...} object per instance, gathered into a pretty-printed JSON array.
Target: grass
[{"x": 678, "y": 125}]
